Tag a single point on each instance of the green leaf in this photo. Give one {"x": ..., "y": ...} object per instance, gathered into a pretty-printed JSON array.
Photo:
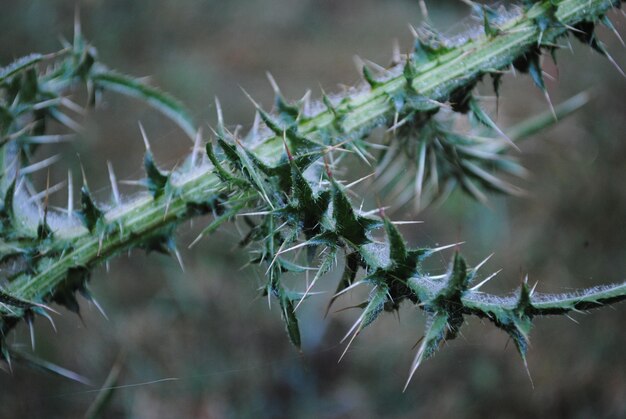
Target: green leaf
[
  {"x": 489, "y": 15},
  {"x": 436, "y": 327},
  {"x": 14, "y": 302},
  {"x": 222, "y": 173},
  {"x": 161, "y": 101},
  {"x": 484, "y": 119},
  {"x": 221, "y": 219},
  {"x": 348, "y": 225},
  {"x": 7, "y": 206},
  {"x": 375, "y": 305},
  {"x": 89, "y": 213},
  {"x": 289, "y": 317},
  {"x": 369, "y": 77},
  {"x": 19, "y": 65},
  {"x": 287, "y": 113},
  {"x": 156, "y": 180},
  {"x": 397, "y": 246}
]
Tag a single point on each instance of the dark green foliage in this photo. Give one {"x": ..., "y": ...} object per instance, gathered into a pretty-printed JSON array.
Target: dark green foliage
[
  {"x": 156, "y": 180},
  {"x": 276, "y": 174},
  {"x": 90, "y": 214}
]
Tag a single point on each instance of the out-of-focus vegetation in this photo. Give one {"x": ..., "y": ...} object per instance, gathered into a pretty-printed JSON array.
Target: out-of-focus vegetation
[{"x": 207, "y": 327}]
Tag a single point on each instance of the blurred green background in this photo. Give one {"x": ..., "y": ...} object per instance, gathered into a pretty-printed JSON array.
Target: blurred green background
[{"x": 208, "y": 328}]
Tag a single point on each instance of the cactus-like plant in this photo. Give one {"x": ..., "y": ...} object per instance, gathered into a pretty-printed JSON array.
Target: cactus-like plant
[{"x": 281, "y": 175}]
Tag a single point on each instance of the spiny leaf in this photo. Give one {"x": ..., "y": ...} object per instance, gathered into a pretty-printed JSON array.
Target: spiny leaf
[
  {"x": 436, "y": 327},
  {"x": 14, "y": 302},
  {"x": 287, "y": 113},
  {"x": 89, "y": 213},
  {"x": 289, "y": 317},
  {"x": 223, "y": 174},
  {"x": 348, "y": 225},
  {"x": 375, "y": 305},
  {"x": 221, "y": 219},
  {"x": 130, "y": 86},
  {"x": 369, "y": 77},
  {"x": 484, "y": 119},
  {"x": 376, "y": 302},
  {"x": 19, "y": 65},
  {"x": 74, "y": 280},
  {"x": 456, "y": 280},
  {"x": 156, "y": 180},
  {"x": 7, "y": 205},
  {"x": 427, "y": 47},
  {"x": 488, "y": 16},
  {"x": 397, "y": 247}
]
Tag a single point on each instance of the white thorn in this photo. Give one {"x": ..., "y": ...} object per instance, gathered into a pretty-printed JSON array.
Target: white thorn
[
  {"x": 254, "y": 131},
  {"x": 196, "y": 148},
  {"x": 99, "y": 307},
  {"x": 77, "y": 29},
  {"x": 256, "y": 105},
  {"x": 40, "y": 165},
  {"x": 399, "y": 223},
  {"x": 619, "y": 37},
  {"x": 47, "y": 316},
  {"x": 545, "y": 93},
  {"x": 480, "y": 265},
  {"x": 218, "y": 110},
  {"x": 273, "y": 83},
  {"x": 345, "y": 290},
  {"x": 416, "y": 363},
  {"x": 306, "y": 102},
  {"x": 32, "y": 333},
  {"x": 50, "y": 139},
  {"x": 132, "y": 182},
  {"x": 292, "y": 248},
  {"x": 448, "y": 246},
  {"x": 348, "y": 186},
  {"x": 358, "y": 63},
  {"x": 48, "y": 191},
  {"x": 100, "y": 241},
  {"x": 423, "y": 9},
  {"x": 484, "y": 281},
  {"x": 612, "y": 61},
  {"x": 195, "y": 241},
  {"x": 252, "y": 213},
  {"x": 396, "y": 56},
  {"x": 345, "y": 351},
  {"x": 532, "y": 384},
  {"x": 374, "y": 211},
  {"x": 144, "y": 136},
  {"x": 73, "y": 106},
  {"x": 116, "y": 192},
  {"x": 180, "y": 259},
  {"x": 573, "y": 29}
]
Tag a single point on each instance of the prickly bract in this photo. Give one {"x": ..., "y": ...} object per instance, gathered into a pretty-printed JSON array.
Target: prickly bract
[{"x": 282, "y": 176}]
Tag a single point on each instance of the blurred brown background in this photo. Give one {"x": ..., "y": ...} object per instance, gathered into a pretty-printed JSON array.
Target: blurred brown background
[{"x": 208, "y": 328}]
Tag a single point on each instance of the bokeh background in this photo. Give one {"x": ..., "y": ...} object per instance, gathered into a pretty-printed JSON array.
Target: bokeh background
[{"x": 208, "y": 327}]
